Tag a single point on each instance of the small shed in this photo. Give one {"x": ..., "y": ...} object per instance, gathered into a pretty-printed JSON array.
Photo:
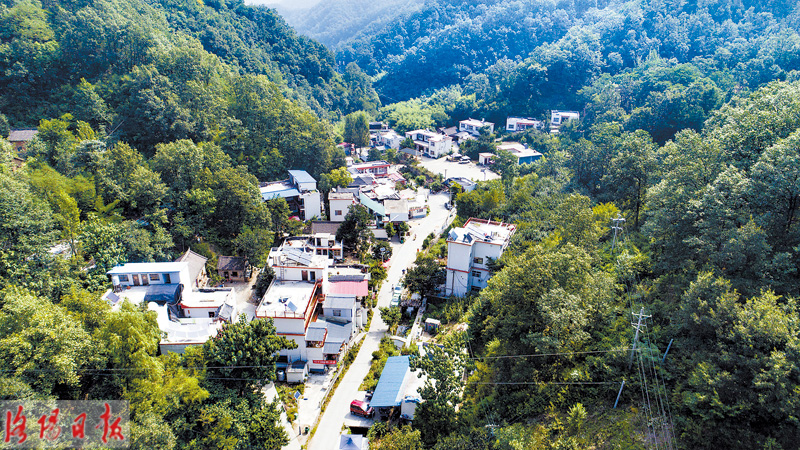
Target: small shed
[
  {"x": 391, "y": 386},
  {"x": 231, "y": 268},
  {"x": 297, "y": 371},
  {"x": 431, "y": 325},
  {"x": 485, "y": 158}
]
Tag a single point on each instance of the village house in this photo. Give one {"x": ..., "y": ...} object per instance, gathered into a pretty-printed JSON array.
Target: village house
[
  {"x": 184, "y": 315},
  {"x": 469, "y": 249},
  {"x": 473, "y": 126},
  {"x": 197, "y": 267},
  {"x": 558, "y": 118},
  {"x": 389, "y": 139},
  {"x": 516, "y": 124},
  {"x": 377, "y": 169},
  {"x": 324, "y": 244},
  {"x": 21, "y": 137},
  {"x": 521, "y": 152},
  {"x": 232, "y": 268},
  {"x": 430, "y": 143},
  {"x": 340, "y": 203},
  {"x": 300, "y": 192}
]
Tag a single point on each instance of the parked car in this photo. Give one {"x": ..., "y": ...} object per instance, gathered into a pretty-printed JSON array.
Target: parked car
[
  {"x": 361, "y": 408},
  {"x": 464, "y": 160}
]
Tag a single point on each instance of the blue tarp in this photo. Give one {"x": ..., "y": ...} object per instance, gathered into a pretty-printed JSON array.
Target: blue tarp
[{"x": 389, "y": 391}]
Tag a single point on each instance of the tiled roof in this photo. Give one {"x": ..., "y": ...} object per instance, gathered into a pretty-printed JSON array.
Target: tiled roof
[{"x": 231, "y": 263}]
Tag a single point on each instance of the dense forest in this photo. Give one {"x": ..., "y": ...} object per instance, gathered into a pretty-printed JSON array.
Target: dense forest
[{"x": 157, "y": 120}]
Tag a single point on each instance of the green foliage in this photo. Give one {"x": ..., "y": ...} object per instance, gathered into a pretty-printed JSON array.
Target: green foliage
[
  {"x": 244, "y": 353},
  {"x": 354, "y": 231},
  {"x": 391, "y": 316},
  {"x": 401, "y": 438},
  {"x": 356, "y": 129},
  {"x": 425, "y": 276}
]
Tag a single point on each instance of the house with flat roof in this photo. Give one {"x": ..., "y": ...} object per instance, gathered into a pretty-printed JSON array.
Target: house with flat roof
[
  {"x": 473, "y": 126},
  {"x": 558, "y": 118},
  {"x": 521, "y": 152},
  {"x": 378, "y": 169},
  {"x": 430, "y": 143},
  {"x": 389, "y": 138},
  {"x": 340, "y": 203},
  {"x": 469, "y": 250},
  {"x": 294, "y": 260},
  {"x": 517, "y": 124},
  {"x": 185, "y": 316},
  {"x": 300, "y": 192}
]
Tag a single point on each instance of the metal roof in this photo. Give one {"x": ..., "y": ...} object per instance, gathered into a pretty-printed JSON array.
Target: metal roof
[
  {"x": 389, "y": 391},
  {"x": 149, "y": 267},
  {"x": 22, "y": 135},
  {"x": 301, "y": 176},
  {"x": 315, "y": 332},
  {"x": 352, "y": 442},
  {"x": 163, "y": 293},
  {"x": 357, "y": 288}
]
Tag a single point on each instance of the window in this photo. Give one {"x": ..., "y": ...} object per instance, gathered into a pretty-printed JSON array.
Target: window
[
  {"x": 338, "y": 212},
  {"x": 123, "y": 278},
  {"x": 478, "y": 260},
  {"x": 476, "y": 273},
  {"x": 337, "y": 312},
  {"x": 211, "y": 314},
  {"x": 155, "y": 277},
  {"x": 234, "y": 274}
]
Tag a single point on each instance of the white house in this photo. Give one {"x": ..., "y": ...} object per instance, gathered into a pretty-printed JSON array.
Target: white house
[
  {"x": 520, "y": 151},
  {"x": 431, "y": 143},
  {"x": 294, "y": 261},
  {"x": 340, "y": 203},
  {"x": 469, "y": 249},
  {"x": 377, "y": 168},
  {"x": 473, "y": 126},
  {"x": 515, "y": 124},
  {"x": 300, "y": 192},
  {"x": 184, "y": 315},
  {"x": 558, "y": 118},
  {"x": 390, "y": 139}
]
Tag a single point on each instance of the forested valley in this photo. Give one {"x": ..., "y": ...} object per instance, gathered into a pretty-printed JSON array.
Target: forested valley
[{"x": 157, "y": 120}]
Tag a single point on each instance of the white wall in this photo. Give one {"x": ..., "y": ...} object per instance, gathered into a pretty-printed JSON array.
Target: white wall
[
  {"x": 339, "y": 205},
  {"x": 312, "y": 204}
]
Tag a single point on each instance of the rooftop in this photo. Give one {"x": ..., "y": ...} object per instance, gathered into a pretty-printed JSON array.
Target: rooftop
[
  {"x": 22, "y": 134},
  {"x": 476, "y": 122},
  {"x": 319, "y": 226},
  {"x": 341, "y": 196},
  {"x": 206, "y": 298},
  {"x": 295, "y": 255},
  {"x": 148, "y": 267},
  {"x": 339, "y": 301},
  {"x": 391, "y": 385},
  {"x": 483, "y": 231},
  {"x": 396, "y": 206},
  {"x": 278, "y": 189},
  {"x": 196, "y": 262},
  {"x": 231, "y": 263},
  {"x": 369, "y": 164},
  {"x": 286, "y": 299},
  {"x": 188, "y": 331},
  {"x": 301, "y": 176}
]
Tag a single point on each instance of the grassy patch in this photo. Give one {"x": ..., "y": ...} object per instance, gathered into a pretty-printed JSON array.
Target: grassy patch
[
  {"x": 286, "y": 393},
  {"x": 379, "y": 357}
]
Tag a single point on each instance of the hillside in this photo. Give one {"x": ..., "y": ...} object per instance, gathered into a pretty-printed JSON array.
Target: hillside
[
  {"x": 453, "y": 42},
  {"x": 335, "y": 22}
]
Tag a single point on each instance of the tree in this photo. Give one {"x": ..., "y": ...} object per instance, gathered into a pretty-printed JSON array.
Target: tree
[
  {"x": 404, "y": 438},
  {"x": 631, "y": 172},
  {"x": 354, "y": 232},
  {"x": 101, "y": 241},
  {"x": 382, "y": 250},
  {"x": 425, "y": 276},
  {"x": 253, "y": 245},
  {"x": 390, "y": 316},
  {"x": 356, "y": 129},
  {"x": 41, "y": 345},
  {"x": 507, "y": 165},
  {"x": 244, "y": 353},
  {"x": 377, "y": 274},
  {"x": 407, "y": 142},
  {"x": 374, "y": 155},
  {"x": 443, "y": 368}
]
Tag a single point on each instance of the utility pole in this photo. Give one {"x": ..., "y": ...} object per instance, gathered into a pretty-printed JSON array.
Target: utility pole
[
  {"x": 618, "y": 222},
  {"x": 638, "y": 325}
]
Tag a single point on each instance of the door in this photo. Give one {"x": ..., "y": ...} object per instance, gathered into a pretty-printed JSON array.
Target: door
[
  {"x": 313, "y": 275},
  {"x": 135, "y": 279},
  {"x": 167, "y": 279},
  {"x": 304, "y": 275}
]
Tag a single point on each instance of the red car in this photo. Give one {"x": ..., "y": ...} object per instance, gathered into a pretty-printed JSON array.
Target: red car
[{"x": 360, "y": 408}]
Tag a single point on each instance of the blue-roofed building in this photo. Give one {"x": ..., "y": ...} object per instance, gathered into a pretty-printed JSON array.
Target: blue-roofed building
[
  {"x": 299, "y": 191},
  {"x": 397, "y": 387}
]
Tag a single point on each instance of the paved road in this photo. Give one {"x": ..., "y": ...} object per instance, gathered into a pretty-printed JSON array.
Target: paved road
[{"x": 330, "y": 426}]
